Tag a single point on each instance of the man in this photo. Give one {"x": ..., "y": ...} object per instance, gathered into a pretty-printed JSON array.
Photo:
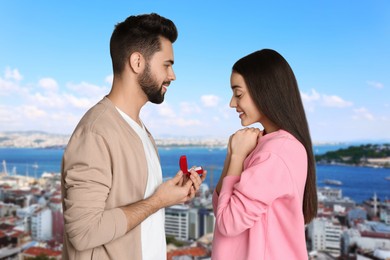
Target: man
[{"x": 113, "y": 194}]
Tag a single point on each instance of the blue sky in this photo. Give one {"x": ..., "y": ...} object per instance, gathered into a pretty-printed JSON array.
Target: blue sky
[{"x": 55, "y": 63}]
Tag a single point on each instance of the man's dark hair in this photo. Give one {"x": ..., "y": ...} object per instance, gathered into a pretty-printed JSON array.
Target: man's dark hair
[{"x": 141, "y": 34}]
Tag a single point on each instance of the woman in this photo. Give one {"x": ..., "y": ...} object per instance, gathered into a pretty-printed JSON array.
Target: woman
[{"x": 267, "y": 190}]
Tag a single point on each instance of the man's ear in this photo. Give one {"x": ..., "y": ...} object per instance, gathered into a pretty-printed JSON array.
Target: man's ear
[{"x": 137, "y": 62}]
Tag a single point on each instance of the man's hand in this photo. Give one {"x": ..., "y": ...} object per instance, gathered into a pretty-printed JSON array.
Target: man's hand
[
  {"x": 196, "y": 179},
  {"x": 174, "y": 191},
  {"x": 177, "y": 190}
]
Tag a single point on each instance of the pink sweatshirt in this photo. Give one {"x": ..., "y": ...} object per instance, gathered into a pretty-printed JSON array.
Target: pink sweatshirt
[{"x": 259, "y": 215}]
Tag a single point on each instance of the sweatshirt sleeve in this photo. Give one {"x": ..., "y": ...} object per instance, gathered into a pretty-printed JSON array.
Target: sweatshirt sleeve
[
  {"x": 215, "y": 197},
  {"x": 242, "y": 201},
  {"x": 87, "y": 183},
  {"x": 215, "y": 201}
]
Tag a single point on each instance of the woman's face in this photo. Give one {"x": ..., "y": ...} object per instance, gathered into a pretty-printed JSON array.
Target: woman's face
[{"x": 242, "y": 101}]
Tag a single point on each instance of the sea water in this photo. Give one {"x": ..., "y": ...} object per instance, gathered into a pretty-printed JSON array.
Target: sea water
[{"x": 358, "y": 183}]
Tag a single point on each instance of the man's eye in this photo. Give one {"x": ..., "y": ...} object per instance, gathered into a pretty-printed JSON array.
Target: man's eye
[{"x": 238, "y": 95}]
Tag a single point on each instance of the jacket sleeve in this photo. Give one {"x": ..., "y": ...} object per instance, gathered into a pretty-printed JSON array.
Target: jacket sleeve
[
  {"x": 243, "y": 201},
  {"x": 87, "y": 183}
]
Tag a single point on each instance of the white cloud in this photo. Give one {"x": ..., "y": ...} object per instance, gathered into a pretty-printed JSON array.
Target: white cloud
[
  {"x": 311, "y": 100},
  {"x": 363, "y": 113},
  {"x": 165, "y": 110},
  {"x": 80, "y": 102},
  {"x": 43, "y": 105},
  {"x": 8, "y": 88},
  {"x": 7, "y": 115},
  {"x": 166, "y": 118},
  {"x": 52, "y": 100},
  {"x": 48, "y": 84},
  {"x": 10, "y": 85},
  {"x": 210, "y": 100},
  {"x": 189, "y": 108},
  {"x": 32, "y": 112},
  {"x": 181, "y": 122},
  {"x": 314, "y": 96},
  {"x": 335, "y": 101},
  {"x": 375, "y": 84},
  {"x": 109, "y": 79},
  {"x": 86, "y": 89},
  {"x": 46, "y": 105},
  {"x": 13, "y": 74}
]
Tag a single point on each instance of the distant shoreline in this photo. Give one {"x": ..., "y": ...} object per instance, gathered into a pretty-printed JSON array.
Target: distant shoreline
[
  {"x": 189, "y": 145},
  {"x": 353, "y": 165},
  {"x": 40, "y": 139},
  {"x": 368, "y": 155}
]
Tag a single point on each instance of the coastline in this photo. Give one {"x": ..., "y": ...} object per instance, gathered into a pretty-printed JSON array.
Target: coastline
[{"x": 354, "y": 165}]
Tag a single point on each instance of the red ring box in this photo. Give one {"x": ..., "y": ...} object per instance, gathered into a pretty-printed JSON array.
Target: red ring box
[{"x": 184, "y": 166}]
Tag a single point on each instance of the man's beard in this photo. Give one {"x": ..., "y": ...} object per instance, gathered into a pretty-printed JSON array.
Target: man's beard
[{"x": 150, "y": 86}]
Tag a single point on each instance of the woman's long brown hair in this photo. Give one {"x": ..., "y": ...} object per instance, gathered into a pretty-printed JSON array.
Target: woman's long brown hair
[{"x": 274, "y": 89}]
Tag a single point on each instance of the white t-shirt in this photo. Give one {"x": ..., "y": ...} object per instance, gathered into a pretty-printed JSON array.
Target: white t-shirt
[{"x": 152, "y": 228}]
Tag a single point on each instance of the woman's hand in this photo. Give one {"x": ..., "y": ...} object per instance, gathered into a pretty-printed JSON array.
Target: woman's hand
[
  {"x": 242, "y": 144},
  {"x": 244, "y": 141}
]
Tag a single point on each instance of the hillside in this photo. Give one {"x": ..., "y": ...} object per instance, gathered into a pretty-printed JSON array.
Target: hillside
[{"x": 375, "y": 155}]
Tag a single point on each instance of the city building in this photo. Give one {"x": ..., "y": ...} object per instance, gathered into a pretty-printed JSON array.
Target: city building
[
  {"x": 55, "y": 206},
  {"x": 177, "y": 222},
  {"x": 325, "y": 235},
  {"x": 329, "y": 193},
  {"x": 355, "y": 216},
  {"x": 368, "y": 238},
  {"x": 206, "y": 221},
  {"x": 384, "y": 214},
  {"x": 41, "y": 224},
  {"x": 8, "y": 209}
]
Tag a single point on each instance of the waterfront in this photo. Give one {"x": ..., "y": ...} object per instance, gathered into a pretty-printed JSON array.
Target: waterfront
[
  {"x": 358, "y": 183},
  {"x": 339, "y": 221}
]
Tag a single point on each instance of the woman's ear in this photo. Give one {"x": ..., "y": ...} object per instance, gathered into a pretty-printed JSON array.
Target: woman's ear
[{"x": 136, "y": 62}]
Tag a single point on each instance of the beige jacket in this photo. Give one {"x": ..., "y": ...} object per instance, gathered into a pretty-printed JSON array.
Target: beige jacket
[{"x": 103, "y": 168}]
